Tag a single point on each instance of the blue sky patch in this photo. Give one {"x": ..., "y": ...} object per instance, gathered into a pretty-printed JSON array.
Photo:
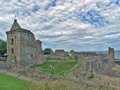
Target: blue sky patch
[
  {"x": 113, "y": 33},
  {"x": 51, "y": 4},
  {"x": 35, "y": 8},
  {"x": 92, "y": 17},
  {"x": 118, "y": 2}
]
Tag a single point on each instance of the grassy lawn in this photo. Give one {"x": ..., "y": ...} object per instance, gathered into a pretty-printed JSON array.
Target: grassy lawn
[
  {"x": 11, "y": 83},
  {"x": 55, "y": 57},
  {"x": 56, "y": 67}
]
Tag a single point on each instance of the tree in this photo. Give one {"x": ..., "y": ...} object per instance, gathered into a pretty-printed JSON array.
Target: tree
[
  {"x": 3, "y": 47},
  {"x": 47, "y": 51}
]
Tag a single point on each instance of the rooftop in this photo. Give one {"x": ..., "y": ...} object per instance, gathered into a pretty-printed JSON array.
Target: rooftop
[{"x": 15, "y": 25}]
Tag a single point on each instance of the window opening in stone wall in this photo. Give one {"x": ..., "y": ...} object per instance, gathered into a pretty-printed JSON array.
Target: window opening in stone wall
[
  {"x": 32, "y": 56},
  {"x": 12, "y": 50},
  {"x": 12, "y": 41},
  {"x": 15, "y": 58}
]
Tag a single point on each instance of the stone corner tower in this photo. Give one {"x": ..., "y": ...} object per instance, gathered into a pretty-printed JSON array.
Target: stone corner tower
[
  {"x": 22, "y": 48},
  {"x": 111, "y": 55}
]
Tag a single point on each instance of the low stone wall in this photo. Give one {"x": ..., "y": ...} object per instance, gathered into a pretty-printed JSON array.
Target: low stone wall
[
  {"x": 3, "y": 59},
  {"x": 98, "y": 64},
  {"x": 32, "y": 73},
  {"x": 3, "y": 65}
]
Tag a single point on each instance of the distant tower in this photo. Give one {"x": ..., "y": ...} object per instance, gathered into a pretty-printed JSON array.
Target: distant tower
[
  {"x": 111, "y": 55},
  {"x": 22, "y": 48}
]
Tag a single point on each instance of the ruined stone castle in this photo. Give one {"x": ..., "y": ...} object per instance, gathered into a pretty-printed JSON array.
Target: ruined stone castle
[
  {"x": 96, "y": 63},
  {"x": 23, "y": 50},
  {"x": 22, "y": 47}
]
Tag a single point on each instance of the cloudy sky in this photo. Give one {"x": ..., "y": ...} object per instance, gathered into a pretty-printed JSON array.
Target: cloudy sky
[{"x": 70, "y": 24}]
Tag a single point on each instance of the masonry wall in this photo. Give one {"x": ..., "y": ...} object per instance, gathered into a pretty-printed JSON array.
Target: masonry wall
[
  {"x": 97, "y": 64},
  {"x": 22, "y": 48},
  {"x": 111, "y": 56},
  {"x": 13, "y": 49},
  {"x": 3, "y": 63}
]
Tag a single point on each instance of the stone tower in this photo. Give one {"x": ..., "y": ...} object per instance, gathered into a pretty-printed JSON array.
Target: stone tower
[
  {"x": 22, "y": 48},
  {"x": 111, "y": 55}
]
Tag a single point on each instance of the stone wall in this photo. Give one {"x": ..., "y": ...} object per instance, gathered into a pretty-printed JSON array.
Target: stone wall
[
  {"x": 3, "y": 65},
  {"x": 3, "y": 59},
  {"x": 96, "y": 63},
  {"x": 32, "y": 73},
  {"x": 61, "y": 52},
  {"x": 95, "y": 66},
  {"x": 111, "y": 53},
  {"x": 22, "y": 48},
  {"x": 13, "y": 50},
  {"x": 111, "y": 56}
]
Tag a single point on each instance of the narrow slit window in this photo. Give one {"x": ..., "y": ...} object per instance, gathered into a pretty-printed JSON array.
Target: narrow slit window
[
  {"x": 12, "y": 41},
  {"x": 12, "y": 50},
  {"x": 32, "y": 56}
]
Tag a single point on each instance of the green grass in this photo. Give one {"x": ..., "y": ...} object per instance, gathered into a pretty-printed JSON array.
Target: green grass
[
  {"x": 12, "y": 83},
  {"x": 60, "y": 67},
  {"x": 55, "y": 57}
]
